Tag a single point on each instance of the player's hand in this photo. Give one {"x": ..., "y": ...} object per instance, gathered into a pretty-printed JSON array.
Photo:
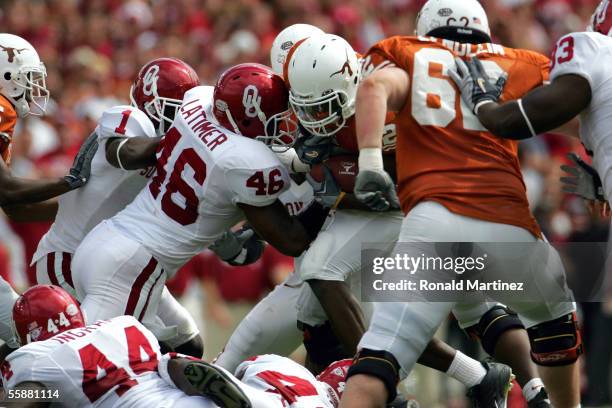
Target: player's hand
[
  {"x": 326, "y": 191},
  {"x": 313, "y": 149},
  {"x": 81, "y": 166},
  {"x": 239, "y": 248},
  {"x": 290, "y": 159},
  {"x": 376, "y": 189},
  {"x": 477, "y": 88},
  {"x": 582, "y": 179}
]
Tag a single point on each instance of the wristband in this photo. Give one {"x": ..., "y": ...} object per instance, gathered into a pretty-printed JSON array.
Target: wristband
[
  {"x": 370, "y": 158},
  {"x": 531, "y": 129},
  {"x": 118, "y": 149},
  {"x": 481, "y": 104}
]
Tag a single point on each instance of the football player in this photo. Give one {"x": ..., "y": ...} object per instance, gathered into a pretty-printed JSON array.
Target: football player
[
  {"x": 156, "y": 95},
  {"x": 578, "y": 87},
  {"x": 324, "y": 105},
  {"x": 23, "y": 92},
  {"x": 118, "y": 363},
  {"x": 456, "y": 182},
  {"x": 210, "y": 175}
]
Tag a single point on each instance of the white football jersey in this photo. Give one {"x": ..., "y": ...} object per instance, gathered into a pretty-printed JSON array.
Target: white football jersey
[
  {"x": 203, "y": 172},
  {"x": 111, "y": 363},
  {"x": 285, "y": 379},
  {"x": 589, "y": 55},
  {"x": 109, "y": 189},
  {"x": 297, "y": 197}
]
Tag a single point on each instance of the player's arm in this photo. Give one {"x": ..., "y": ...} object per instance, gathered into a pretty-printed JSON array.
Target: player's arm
[
  {"x": 382, "y": 91},
  {"x": 132, "y": 153},
  {"x": 17, "y": 191},
  {"x": 29, "y": 386},
  {"x": 45, "y": 211},
  {"x": 290, "y": 235},
  {"x": 541, "y": 110}
]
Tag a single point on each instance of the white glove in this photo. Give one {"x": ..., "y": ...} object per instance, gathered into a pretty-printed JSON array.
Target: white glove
[{"x": 291, "y": 161}]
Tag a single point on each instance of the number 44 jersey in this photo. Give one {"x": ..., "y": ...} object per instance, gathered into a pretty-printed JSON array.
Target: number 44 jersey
[
  {"x": 444, "y": 154},
  {"x": 108, "y": 363},
  {"x": 203, "y": 172}
]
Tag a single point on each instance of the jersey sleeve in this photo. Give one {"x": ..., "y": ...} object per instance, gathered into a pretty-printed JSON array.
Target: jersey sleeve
[
  {"x": 578, "y": 54},
  {"x": 528, "y": 70},
  {"x": 388, "y": 52},
  {"x": 8, "y": 120},
  {"x": 17, "y": 368},
  {"x": 259, "y": 182},
  {"x": 124, "y": 121}
]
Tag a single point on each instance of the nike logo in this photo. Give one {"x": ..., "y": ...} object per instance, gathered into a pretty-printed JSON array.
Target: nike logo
[{"x": 481, "y": 84}]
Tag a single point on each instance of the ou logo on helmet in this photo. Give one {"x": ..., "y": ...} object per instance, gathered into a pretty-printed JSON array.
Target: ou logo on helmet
[
  {"x": 149, "y": 81},
  {"x": 251, "y": 101}
]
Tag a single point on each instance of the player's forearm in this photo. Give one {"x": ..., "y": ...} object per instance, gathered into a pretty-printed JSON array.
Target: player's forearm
[
  {"x": 370, "y": 113},
  {"x": 133, "y": 154},
  {"x": 45, "y": 211},
  {"x": 16, "y": 191},
  {"x": 505, "y": 120}
]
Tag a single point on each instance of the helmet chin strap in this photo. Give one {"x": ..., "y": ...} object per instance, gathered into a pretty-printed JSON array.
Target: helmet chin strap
[{"x": 232, "y": 121}]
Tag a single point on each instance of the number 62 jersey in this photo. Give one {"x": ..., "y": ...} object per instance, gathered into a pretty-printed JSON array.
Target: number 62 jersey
[
  {"x": 203, "y": 172},
  {"x": 444, "y": 153}
]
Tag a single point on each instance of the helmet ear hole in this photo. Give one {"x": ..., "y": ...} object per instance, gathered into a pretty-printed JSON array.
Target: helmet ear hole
[{"x": 7, "y": 76}]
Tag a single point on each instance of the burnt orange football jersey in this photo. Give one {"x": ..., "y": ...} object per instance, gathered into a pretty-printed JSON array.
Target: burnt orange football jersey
[
  {"x": 347, "y": 136},
  {"x": 8, "y": 119},
  {"x": 443, "y": 153}
]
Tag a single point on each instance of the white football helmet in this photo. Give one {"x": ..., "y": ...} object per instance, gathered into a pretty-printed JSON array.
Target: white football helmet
[
  {"x": 22, "y": 75},
  {"x": 285, "y": 40},
  {"x": 457, "y": 18},
  {"x": 323, "y": 75}
]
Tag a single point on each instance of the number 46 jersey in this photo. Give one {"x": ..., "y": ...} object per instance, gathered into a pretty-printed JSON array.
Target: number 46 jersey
[
  {"x": 444, "y": 154},
  {"x": 203, "y": 172}
]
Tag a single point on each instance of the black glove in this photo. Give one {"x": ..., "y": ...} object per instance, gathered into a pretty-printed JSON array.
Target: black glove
[
  {"x": 583, "y": 181},
  {"x": 81, "y": 166},
  {"x": 239, "y": 248},
  {"x": 326, "y": 192},
  {"x": 477, "y": 88},
  {"x": 313, "y": 149},
  {"x": 376, "y": 189}
]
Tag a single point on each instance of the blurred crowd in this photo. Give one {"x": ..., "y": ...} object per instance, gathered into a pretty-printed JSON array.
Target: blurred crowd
[{"x": 93, "y": 48}]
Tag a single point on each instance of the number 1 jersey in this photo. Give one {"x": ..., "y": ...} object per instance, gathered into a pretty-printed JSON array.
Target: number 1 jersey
[
  {"x": 444, "y": 154},
  {"x": 203, "y": 172}
]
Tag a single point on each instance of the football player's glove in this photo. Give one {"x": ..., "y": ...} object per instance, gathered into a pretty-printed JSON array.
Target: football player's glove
[
  {"x": 81, "y": 166},
  {"x": 376, "y": 189},
  {"x": 239, "y": 248},
  {"x": 313, "y": 149},
  {"x": 477, "y": 88},
  {"x": 326, "y": 191},
  {"x": 582, "y": 179}
]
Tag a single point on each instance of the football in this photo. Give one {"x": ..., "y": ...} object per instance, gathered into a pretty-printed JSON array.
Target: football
[{"x": 344, "y": 168}]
